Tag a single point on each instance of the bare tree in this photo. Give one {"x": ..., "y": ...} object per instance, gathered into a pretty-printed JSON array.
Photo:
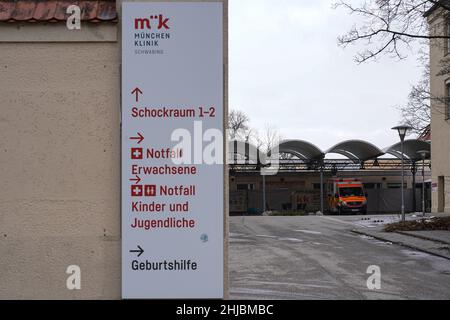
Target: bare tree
[
  {"x": 239, "y": 129},
  {"x": 270, "y": 137},
  {"x": 238, "y": 125},
  {"x": 417, "y": 112},
  {"x": 389, "y": 27}
]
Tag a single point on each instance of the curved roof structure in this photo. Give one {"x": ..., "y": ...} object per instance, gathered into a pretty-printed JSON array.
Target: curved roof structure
[
  {"x": 247, "y": 150},
  {"x": 356, "y": 150},
  {"x": 410, "y": 148},
  {"x": 301, "y": 149}
]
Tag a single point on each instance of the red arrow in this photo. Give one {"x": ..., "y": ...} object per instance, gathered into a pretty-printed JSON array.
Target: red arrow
[
  {"x": 140, "y": 137},
  {"x": 137, "y": 179},
  {"x": 137, "y": 91}
]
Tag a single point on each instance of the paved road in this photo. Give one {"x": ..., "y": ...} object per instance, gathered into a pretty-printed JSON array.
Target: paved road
[{"x": 318, "y": 257}]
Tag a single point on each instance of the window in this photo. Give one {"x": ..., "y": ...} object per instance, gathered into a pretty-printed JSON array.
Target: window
[
  {"x": 351, "y": 192},
  {"x": 396, "y": 185},
  {"x": 447, "y": 100},
  {"x": 245, "y": 186},
  {"x": 448, "y": 39},
  {"x": 316, "y": 186},
  {"x": 372, "y": 185},
  {"x": 441, "y": 194}
]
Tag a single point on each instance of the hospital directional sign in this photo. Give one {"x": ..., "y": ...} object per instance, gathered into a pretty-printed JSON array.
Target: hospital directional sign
[{"x": 172, "y": 150}]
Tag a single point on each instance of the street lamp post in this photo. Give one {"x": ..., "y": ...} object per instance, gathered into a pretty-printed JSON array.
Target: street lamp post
[
  {"x": 264, "y": 192},
  {"x": 423, "y": 154},
  {"x": 321, "y": 187},
  {"x": 402, "y": 129},
  {"x": 414, "y": 171}
]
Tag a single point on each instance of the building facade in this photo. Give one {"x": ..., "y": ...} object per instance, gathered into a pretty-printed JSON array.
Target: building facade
[
  {"x": 60, "y": 162},
  {"x": 60, "y": 155},
  {"x": 440, "y": 111},
  {"x": 289, "y": 191}
]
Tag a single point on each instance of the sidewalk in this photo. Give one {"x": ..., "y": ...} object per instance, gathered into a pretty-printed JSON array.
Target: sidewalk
[
  {"x": 433, "y": 242},
  {"x": 435, "y": 235}
]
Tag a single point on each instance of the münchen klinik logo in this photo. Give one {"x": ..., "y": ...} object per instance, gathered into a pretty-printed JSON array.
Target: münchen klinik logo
[
  {"x": 154, "y": 21},
  {"x": 149, "y": 32}
]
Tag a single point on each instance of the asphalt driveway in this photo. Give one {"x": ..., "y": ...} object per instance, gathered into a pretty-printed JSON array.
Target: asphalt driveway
[{"x": 318, "y": 257}]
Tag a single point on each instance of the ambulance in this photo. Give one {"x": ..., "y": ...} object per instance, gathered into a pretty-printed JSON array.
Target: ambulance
[{"x": 346, "y": 196}]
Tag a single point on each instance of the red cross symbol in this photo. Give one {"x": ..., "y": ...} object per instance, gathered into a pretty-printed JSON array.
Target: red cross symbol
[
  {"x": 136, "y": 191},
  {"x": 136, "y": 153}
]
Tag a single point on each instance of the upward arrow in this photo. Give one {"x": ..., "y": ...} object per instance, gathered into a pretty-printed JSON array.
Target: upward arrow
[{"x": 137, "y": 91}]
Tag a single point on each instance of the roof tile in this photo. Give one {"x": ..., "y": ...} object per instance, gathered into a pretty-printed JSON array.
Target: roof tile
[
  {"x": 106, "y": 10},
  {"x": 89, "y": 10},
  {"x": 24, "y": 10},
  {"x": 6, "y": 10},
  {"x": 46, "y": 10},
  {"x": 61, "y": 8}
]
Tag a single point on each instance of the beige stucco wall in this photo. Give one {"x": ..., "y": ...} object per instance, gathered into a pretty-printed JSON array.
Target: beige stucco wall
[
  {"x": 59, "y": 167},
  {"x": 440, "y": 127},
  {"x": 60, "y": 160}
]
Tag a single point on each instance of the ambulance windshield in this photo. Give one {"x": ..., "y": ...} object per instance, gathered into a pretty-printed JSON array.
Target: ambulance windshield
[{"x": 351, "y": 192}]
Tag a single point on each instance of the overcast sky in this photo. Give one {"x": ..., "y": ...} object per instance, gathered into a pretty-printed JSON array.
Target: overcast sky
[{"x": 287, "y": 70}]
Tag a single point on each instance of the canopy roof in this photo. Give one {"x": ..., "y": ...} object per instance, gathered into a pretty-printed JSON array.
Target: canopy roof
[
  {"x": 299, "y": 148},
  {"x": 410, "y": 149},
  {"x": 246, "y": 150},
  {"x": 355, "y": 150}
]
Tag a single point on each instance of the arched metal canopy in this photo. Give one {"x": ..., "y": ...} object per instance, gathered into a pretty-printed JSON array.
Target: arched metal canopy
[
  {"x": 410, "y": 149},
  {"x": 247, "y": 150},
  {"x": 302, "y": 149},
  {"x": 356, "y": 150}
]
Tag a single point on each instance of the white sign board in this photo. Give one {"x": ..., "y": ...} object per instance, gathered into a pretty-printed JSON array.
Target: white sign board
[{"x": 172, "y": 150}]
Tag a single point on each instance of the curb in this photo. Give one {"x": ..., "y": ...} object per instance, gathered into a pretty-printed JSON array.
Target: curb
[
  {"x": 401, "y": 244},
  {"x": 422, "y": 237}
]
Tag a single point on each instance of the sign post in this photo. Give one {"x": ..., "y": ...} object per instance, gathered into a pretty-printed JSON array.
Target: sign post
[{"x": 172, "y": 150}]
